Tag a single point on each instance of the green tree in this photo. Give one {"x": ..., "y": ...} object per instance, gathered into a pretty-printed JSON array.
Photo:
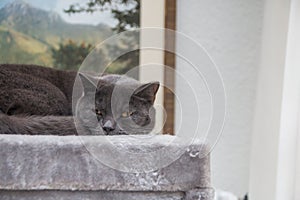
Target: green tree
[
  {"x": 127, "y": 14},
  {"x": 70, "y": 55},
  {"x": 128, "y": 17}
]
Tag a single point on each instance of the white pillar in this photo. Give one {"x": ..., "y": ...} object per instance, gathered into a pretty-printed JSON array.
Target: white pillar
[
  {"x": 297, "y": 177},
  {"x": 276, "y": 123},
  {"x": 153, "y": 15},
  {"x": 288, "y": 138}
]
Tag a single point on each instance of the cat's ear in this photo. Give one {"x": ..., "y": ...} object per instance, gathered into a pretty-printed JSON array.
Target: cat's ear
[
  {"x": 147, "y": 91},
  {"x": 88, "y": 83}
]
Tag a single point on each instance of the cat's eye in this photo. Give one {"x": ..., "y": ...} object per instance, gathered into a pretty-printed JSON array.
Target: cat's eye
[
  {"x": 126, "y": 114},
  {"x": 98, "y": 112}
]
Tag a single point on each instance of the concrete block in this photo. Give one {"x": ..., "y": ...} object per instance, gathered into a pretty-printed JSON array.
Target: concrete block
[
  {"x": 200, "y": 194},
  {"x": 105, "y": 167},
  {"x": 91, "y": 195}
]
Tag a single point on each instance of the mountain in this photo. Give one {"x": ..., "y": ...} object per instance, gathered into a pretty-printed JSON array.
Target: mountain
[{"x": 27, "y": 34}]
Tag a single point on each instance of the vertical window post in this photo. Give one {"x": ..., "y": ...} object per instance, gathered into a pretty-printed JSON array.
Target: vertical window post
[{"x": 169, "y": 60}]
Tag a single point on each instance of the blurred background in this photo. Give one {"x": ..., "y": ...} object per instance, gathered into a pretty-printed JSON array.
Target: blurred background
[
  {"x": 254, "y": 43},
  {"x": 61, "y": 34}
]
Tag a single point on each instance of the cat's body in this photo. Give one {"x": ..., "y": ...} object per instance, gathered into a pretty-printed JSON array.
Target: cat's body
[
  {"x": 38, "y": 101},
  {"x": 35, "y": 90}
]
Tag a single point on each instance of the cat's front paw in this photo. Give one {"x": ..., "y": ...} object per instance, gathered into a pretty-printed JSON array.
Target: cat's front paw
[{"x": 120, "y": 132}]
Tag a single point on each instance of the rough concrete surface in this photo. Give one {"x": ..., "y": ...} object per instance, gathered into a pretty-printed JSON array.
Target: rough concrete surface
[
  {"x": 47, "y": 167},
  {"x": 95, "y": 195},
  {"x": 200, "y": 194}
]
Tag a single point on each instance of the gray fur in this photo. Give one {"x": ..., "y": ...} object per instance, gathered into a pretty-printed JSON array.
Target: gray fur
[
  {"x": 35, "y": 90},
  {"x": 37, "y": 101},
  {"x": 37, "y": 125}
]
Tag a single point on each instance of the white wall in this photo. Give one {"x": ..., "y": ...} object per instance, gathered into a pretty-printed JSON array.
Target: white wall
[
  {"x": 274, "y": 154},
  {"x": 231, "y": 32},
  {"x": 290, "y": 107}
]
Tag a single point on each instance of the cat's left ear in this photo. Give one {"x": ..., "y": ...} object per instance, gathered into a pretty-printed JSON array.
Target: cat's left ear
[
  {"x": 88, "y": 83},
  {"x": 147, "y": 91}
]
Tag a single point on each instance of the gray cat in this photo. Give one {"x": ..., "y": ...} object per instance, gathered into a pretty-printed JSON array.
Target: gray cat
[{"x": 36, "y": 100}]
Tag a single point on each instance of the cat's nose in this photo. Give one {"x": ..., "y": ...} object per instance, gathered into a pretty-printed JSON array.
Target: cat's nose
[{"x": 108, "y": 126}]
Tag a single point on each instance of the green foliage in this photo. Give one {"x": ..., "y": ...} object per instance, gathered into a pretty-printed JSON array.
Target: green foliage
[
  {"x": 124, "y": 63},
  {"x": 19, "y": 48},
  {"x": 71, "y": 55},
  {"x": 127, "y": 18},
  {"x": 33, "y": 36},
  {"x": 28, "y": 34}
]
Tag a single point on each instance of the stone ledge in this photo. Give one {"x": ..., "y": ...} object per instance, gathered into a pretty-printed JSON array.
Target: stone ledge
[
  {"x": 90, "y": 195},
  {"x": 63, "y": 163},
  {"x": 200, "y": 194},
  {"x": 195, "y": 194}
]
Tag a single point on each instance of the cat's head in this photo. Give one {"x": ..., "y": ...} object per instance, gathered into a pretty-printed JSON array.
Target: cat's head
[{"x": 121, "y": 104}]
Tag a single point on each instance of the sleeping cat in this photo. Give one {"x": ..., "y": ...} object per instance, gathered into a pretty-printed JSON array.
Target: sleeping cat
[
  {"x": 35, "y": 90},
  {"x": 35, "y": 100}
]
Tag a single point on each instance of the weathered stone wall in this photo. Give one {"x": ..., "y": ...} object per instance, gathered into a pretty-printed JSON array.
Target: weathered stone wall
[{"x": 53, "y": 167}]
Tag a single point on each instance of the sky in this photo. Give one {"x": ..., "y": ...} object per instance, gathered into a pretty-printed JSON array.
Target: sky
[{"x": 59, "y": 5}]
